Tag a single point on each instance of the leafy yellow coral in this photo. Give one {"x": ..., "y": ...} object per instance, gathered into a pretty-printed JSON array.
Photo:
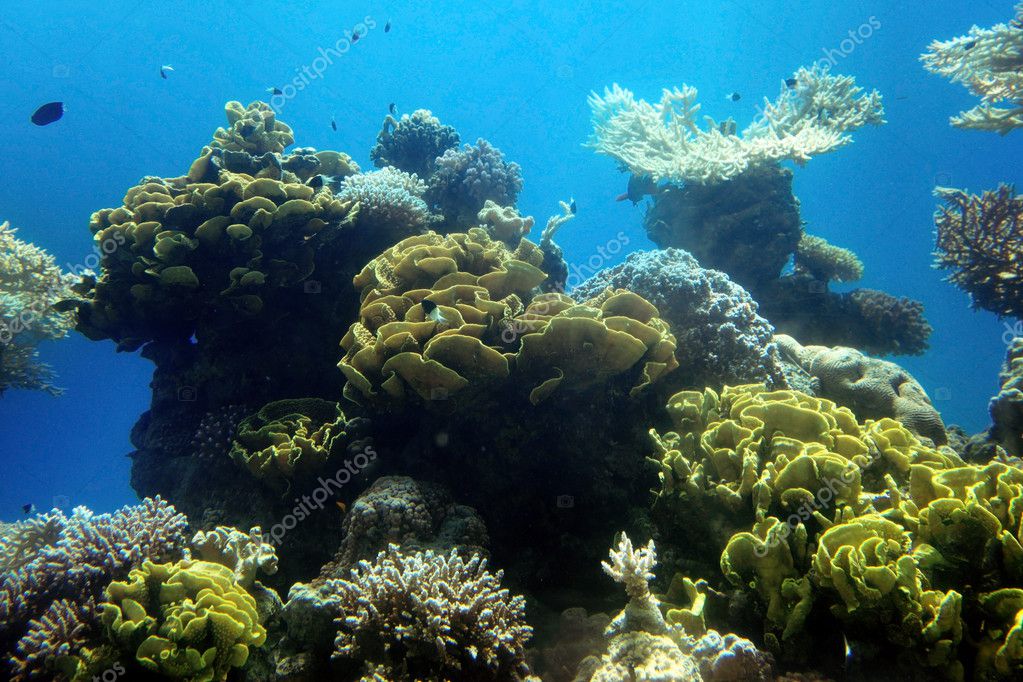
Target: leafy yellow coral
[{"x": 188, "y": 621}]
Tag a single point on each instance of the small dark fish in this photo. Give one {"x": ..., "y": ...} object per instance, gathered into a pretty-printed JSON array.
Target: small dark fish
[
  {"x": 341, "y": 505},
  {"x": 387, "y": 26},
  {"x": 639, "y": 187},
  {"x": 48, "y": 113},
  {"x": 393, "y": 109},
  {"x": 333, "y": 123},
  {"x": 316, "y": 181},
  {"x": 355, "y": 37},
  {"x": 433, "y": 312},
  {"x": 164, "y": 70},
  {"x": 274, "y": 91},
  {"x": 734, "y": 97},
  {"x": 970, "y": 45},
  {"x": 572, "y": 207},
  {"x": 28, "y": 509},
  {"x": 790, "y": 82}
]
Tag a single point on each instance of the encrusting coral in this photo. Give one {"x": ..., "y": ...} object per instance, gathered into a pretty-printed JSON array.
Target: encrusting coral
[
  {"x": 980, "y": 238},
  {"x": 413, "y": 142},
  {"x": 425, "y": 615},
  {"x": 665, "y": 141},
  {"x": 720, "y": 337},
  {"x": 31, "y": 284},
  {"x": 859, "y": 520},
  {"x": 989, "y": 63}
]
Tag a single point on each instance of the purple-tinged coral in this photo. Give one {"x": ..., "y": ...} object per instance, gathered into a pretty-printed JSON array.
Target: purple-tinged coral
[
  {"x": 893, "y": 324},
  {"x": 215, "y": 434},
  {"x": 731, "y": 658},
  {"x": 980, "y": 239},
  {"x": 465, "y": 179},
  {"x": 721, "y": 338},
  {"x": 413, "y": 142},
  {"x": 86, "y": 555},
  {"x": 388, "y": 199},
  {"x": 431, "y": 615}
]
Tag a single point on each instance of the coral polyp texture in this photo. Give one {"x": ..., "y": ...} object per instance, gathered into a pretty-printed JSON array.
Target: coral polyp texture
[
  {"x": 413, "y": 142},
  {"x": 388, "y": 199},
  {"x": 464, "y": 179},
  {"x": 818, "y": 513},
  {"x": 666, "y": 142},
  {"x": 980, "y": 239},
  {"x": 827, "y": 262},
  {"x": 488, "y": 324},
  {"x": 426, "y": 615},
  {"x": 989, "y": 63},
  {"x": 31, "y": 284}
]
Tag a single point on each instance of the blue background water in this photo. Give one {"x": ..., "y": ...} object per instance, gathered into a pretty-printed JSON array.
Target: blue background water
[{"x": 518, "y": 75}]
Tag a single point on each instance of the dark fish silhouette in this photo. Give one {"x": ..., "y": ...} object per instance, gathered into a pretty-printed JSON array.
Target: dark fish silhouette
[
  {"x": 333, "y": 123},
  {"x": 639, "y": 187},
  {"x": 393, "y": 109},
  {"x": 28, "y": 509},
  {"x": 355, "y": 37},
  {"x": 387, "y": 26},
  {"x": 48, "y": 113},
  {"x": 434, "y": 313},
  {"x": 572, "y": 207},
  {"x": 790, "y": 82},
  {"x": 316, "y": 181},
  {"x": 164, "y": 70},
  {"x": 734, "y": 97},
  {"x": 274, "y": 91}
]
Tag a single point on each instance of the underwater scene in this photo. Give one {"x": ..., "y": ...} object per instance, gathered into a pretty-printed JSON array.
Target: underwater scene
[{"x": 619, "y": 341}]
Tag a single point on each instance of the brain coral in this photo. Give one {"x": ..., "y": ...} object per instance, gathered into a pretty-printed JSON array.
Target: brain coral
[
  {"x": 859, "y": 520},
  {"x": 424, "y": 614},
  {"x": 413, "y": 143},
  {"x": 870, "y": 387},
  {"x": 721, "y": 339},
  {"x": 483, "y": 330},
  {"x": 465, "y": 179},
  {"x": 188, "y": 621}
]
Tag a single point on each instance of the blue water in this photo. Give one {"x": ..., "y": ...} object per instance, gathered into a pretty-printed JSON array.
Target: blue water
[{"x": 516, "y": 73}]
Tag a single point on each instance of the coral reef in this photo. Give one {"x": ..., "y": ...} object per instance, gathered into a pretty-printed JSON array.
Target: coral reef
[
  {"x": 215, "y": 434},
  {"x": 56, "y": 568},
  {"x": 720, "y": 337},
  {"x": 870, "y": 387},
  {"x": 253, "y": 129},
  {"x": 666, "y": 142},
  {"x": 979, "y": 238},
  {"x": 189, "y": 620},
  {"x": 465, "y": 179},
  {"x": 426, "y": 615},
  {"x": 413, "y": 143},
  {"x": 989, "y": 63},
  {"x": 31, "y": 285},
  {"x": 504, "y": 222},
  {"x": 1006, "y": 407},
  {"x": 244, "y": 553},
  {"x": 826, "y": 262}
]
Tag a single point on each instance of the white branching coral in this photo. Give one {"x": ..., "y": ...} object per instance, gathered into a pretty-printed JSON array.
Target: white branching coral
[
  {"x": 388, "y": 198},
  {"x": 634, "y": 568},
  {"x": 245, "y": 553},
  {"x": 989, "y": 63},
  {"x": 813, "y": 116},
  {"x": 30, "y": 284}
]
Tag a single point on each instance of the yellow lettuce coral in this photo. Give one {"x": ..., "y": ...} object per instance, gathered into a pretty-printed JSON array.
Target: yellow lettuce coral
[
  {"x": 444, "y": 317},
  {"x": 188, "y": 621}
]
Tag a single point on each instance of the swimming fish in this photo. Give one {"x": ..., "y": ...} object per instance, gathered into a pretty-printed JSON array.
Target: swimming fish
[
  {"x": 333, "y": 123},
  {"x": 387, "y": 26},
  {"x": 434, "y": 313},
  {"x": 734, "y": 97},
  {"x": 274, "y": 91},
  {"x": 48, "y": 113},
  {"x": 728, "y": 127},
  {"x": 164, "y": 69},
  {"x": 28, "y": 509},
  {"x": 571, "y": 206},
  {"x": 790, "y": 82},
  {"x": 355, "y": 37},
  {"x": 341, "y": 505},
  {"x": 393, "y": 109},
  {"x": 639, "y": 187}
]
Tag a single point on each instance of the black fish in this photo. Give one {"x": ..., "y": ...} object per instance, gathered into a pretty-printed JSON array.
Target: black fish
[
  {"x": 28, "y": 509},
  {"x": 790, "y": 82},
  {"x": 316, "y": 181},
  {"x": 434, "y": 313},
  {"x": 735, "y": 97},
  {"x": 163, "y": 71},
  {"x": 48, "y": 113},
  {"x": 571, "y": 206},
  {"x": 355, "y": 37},
  {"x": 639, "y": 187},
  {"x": 387, "y": 26},
  {"x": 274, "y": 91},
  {"x": 970, "y": 45},
  {"x": 333, "y": 123},
  {"x": 393, "y": 109}
]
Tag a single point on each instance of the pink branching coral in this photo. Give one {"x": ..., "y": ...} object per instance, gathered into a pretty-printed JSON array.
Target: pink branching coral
[{"x": 980, "y": 238}]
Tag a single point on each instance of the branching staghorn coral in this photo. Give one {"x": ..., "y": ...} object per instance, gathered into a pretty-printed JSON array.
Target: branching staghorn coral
[
  {"x": 980, "y": 238},
  {"x": 30, "y": 284},
  {"x": 665, "y": 141},
  {"x": 989, "y": 63}
]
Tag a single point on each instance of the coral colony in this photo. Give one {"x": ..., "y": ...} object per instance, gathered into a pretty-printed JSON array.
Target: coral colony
[{"x": 387, "y": 442}]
